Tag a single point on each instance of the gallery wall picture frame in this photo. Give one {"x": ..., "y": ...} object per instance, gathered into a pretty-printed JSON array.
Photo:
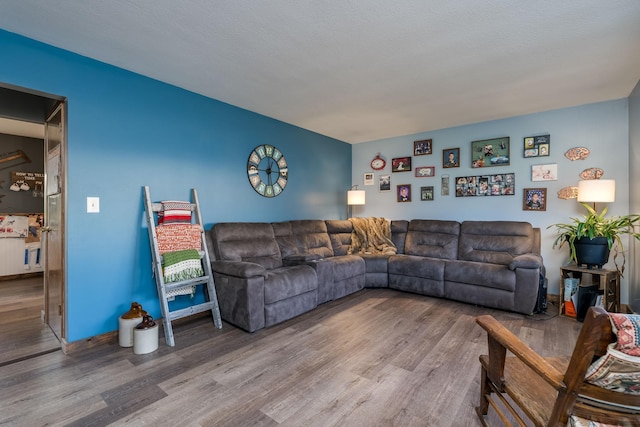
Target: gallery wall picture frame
[
  {"x": 426, "y": 193},
  {"x": 384, "y": 183},
  {"x": 401, "y": 164},
  {"x": 490, "y": 152},
  {"x": 425, "y": 171},
  {"x": 422, "y": 147},
  {"x": 444, "y": 185},
  {"x": 534, "y": 199},
  {"x": 403, "y": 192},
  {"x": 537, "y": 146},
  {"x": 451, "y": 158},
  {"x": 547, "y": 172},
  {"x": 368, "y": 178},
  {"x": 486, "y": 185}
]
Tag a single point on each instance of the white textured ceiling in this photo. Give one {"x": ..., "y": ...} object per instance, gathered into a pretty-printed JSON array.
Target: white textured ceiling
[{"x": 359, "y": 70}]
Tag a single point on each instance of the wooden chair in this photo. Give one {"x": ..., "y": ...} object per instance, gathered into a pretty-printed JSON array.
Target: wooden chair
[{"x": 548, "y": 391}]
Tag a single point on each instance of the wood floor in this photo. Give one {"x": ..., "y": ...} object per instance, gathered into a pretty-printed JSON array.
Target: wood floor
[
  {"x": 376, "y": 358},
  {"x": 22, "y": 332}
]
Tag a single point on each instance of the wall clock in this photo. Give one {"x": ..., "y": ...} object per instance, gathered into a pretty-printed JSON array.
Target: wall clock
[
  {"x": 267, "y": 170},
  {"x": 378, "y": 163}
]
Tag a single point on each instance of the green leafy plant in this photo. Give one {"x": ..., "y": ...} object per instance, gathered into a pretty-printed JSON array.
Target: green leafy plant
[{"x": 593, "y": 225}]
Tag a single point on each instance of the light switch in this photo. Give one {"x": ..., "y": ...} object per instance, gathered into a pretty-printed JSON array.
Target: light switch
[{"x": 93, "y": 204}]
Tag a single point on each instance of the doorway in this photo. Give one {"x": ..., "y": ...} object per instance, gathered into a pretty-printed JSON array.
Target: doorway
[{"x": 33, "y": 304}]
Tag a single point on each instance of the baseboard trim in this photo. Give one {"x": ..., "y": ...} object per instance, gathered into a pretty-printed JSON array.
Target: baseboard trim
[
  {"x": 112, "y": 337},
  {"x": 87, "y": 343}
]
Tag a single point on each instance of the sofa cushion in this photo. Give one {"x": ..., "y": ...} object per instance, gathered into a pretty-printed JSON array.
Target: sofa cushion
[
  {"x": 246, "y": 241},
  {"x": 433, "y": 238},
  {"x": 285, "y": 239},
  {"x": 311, "y": 236},
  {"x": 495, "y": 242},
  {"x": 286, "y": 282},
  {"x": 399, "y": 234},
  {"x": 346, "y": 266},
  {"x": 340, "y": 235},
  {"x": 480, "y": 274}
]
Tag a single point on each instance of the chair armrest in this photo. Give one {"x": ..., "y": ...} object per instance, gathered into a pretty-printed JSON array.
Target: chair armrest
[
  {"x": 238, "y": 268},
  {"x": 526, "y": 261},
  {"x": 501, "y": 339}
]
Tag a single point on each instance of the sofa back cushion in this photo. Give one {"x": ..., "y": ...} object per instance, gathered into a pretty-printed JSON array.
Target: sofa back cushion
[
  {"x": 340, "y": 235},
  {"x": 399, "y": 229},
  {"x": 311, "y": 237},
  {"x": 495, "y": 242},
  {"x": 246, "y": 241},
  {"x": 433, "y": 238},
  {"x": 285, "y": 239}
]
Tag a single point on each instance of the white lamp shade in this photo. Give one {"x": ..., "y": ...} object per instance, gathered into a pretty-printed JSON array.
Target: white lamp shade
[
  {"x": 597, "y": 190},
  {"x": 355, "y": 197}
]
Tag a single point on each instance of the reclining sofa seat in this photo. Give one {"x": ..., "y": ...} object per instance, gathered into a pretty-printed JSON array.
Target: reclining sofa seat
[
  {"x": 338, "y": 274},
  {"x": 254, "y": 288},
  {"x": 428, "y": 244},
  {"x": 499, "y": 265}
]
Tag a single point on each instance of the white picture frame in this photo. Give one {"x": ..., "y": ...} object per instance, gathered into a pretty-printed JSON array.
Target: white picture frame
[{"x": 546, "y": 172}]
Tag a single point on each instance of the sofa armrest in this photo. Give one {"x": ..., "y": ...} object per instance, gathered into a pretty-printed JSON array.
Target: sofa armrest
[
  {"x": 299, "y": 259},
  {"x": 526, "y": 261},
  {"x": 238, "y": 268}
]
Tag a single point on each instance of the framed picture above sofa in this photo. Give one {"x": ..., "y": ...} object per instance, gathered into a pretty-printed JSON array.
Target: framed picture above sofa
[
  {"x": 486, "y": 185},
  {"x": 490, "y": 152}
]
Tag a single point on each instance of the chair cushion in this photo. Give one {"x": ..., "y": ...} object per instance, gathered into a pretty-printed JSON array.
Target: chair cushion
[
  {"x": 627, "y": 328},
  {"x": 615, "y": 371}
]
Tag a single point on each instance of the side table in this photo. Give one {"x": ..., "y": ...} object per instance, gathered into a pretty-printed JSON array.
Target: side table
[{"x": 607, "y": 280}]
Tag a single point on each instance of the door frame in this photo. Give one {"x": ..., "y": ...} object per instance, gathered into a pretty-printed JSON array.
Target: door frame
[{"x": 36, "y": 106}]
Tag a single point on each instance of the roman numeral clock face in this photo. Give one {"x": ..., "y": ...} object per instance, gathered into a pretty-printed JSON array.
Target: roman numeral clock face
[{"x": 267, "y": 170}]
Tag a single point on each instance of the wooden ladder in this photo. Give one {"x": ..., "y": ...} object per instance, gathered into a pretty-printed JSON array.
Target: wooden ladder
[{"x": 211, "y": 298}]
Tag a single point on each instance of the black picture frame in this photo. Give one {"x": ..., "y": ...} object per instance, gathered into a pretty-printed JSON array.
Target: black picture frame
[
  {"x": 490, "y": 152},
  {"x": 426, "y": 194},
  {"x": 502, "y": 184},
  {"x": 401, "y": 164},
  {"x": 537, "y": 146}
]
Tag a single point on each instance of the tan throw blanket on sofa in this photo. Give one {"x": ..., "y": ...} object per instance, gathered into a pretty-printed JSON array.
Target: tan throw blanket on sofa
[{"x": 371, "y": 236}]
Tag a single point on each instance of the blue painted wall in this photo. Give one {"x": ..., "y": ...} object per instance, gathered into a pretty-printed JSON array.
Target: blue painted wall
[
  {"x": 126, "y": 131},
  {"x": 601, "y": 127}
]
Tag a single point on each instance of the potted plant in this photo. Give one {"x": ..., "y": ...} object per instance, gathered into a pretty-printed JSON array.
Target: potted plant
[{"x": 598, "y": 234}]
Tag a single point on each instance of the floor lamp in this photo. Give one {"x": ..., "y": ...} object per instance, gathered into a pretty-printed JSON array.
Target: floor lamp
[{"x": 354, "y": 197}]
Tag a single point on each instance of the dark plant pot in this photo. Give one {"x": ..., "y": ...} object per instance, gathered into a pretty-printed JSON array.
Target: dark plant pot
[{"x": 592, "y": 252}]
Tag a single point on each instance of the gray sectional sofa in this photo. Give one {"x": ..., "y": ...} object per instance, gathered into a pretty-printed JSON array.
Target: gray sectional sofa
[{"x": 266, "y": 273}]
